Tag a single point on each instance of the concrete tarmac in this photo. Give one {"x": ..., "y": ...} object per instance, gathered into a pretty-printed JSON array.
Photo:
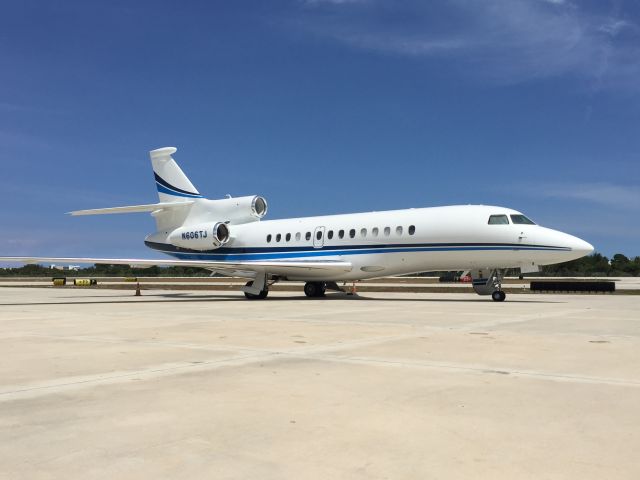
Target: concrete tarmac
[{"x": 99, "y": 384}]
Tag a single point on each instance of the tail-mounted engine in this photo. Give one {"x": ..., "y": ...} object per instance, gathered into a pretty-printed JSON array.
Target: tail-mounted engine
[
  {"x": 206, "y": 236},
  {"x": 241, "y": 209},
  {"x": 234, "y": 210}
]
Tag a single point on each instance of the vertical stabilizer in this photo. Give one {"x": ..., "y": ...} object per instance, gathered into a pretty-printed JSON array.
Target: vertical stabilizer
[
  {"x": 171, "y": 182},
  {"x": 173, "y": 187}
]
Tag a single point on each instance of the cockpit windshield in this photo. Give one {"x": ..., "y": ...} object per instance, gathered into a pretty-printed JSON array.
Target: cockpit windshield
[
  {"x": 498, "y": 220},
  {"x": 521, "y": 220}
]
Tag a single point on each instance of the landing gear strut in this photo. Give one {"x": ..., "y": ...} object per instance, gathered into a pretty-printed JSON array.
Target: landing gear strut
[
  {"x": 260, "y": 296},
  {"x": 498, "y": 294},
  {"x": 314, "y": 289}
]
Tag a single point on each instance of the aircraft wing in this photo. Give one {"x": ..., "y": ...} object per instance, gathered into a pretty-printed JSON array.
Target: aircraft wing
[{"x": 276, "y": 267}]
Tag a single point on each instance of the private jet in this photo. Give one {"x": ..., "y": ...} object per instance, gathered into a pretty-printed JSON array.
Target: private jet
[{"x": 229, "y": 236}]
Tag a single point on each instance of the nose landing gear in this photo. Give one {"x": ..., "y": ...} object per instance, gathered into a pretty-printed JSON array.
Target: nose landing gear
[
  {"x": 498, "y": 296},
  {"x": 489, "y": 282}
]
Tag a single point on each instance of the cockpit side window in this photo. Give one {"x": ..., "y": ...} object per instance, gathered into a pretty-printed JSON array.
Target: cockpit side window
[
  {"x": 498, "y": 220},
  {"x": 521, "y": 220}
]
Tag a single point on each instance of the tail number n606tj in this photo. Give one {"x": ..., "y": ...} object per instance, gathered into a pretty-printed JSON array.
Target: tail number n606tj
[{"x": 194, "y": 235}]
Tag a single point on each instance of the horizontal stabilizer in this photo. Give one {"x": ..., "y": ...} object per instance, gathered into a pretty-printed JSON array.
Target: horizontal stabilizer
[{"x": 152, "y": 207}]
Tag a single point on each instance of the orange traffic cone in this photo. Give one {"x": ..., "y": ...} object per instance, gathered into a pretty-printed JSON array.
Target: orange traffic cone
[{"x": 138, "y": 289}]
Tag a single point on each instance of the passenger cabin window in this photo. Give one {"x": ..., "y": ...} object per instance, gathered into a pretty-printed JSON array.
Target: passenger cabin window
[
  {"x": 363, "y": 232},
  {"x": 498, "y": 220},
  {"x": 269, "y": 238},
  {"x": 297, "y": 236},
  {"x": 288, "y": 237},
  {"x": 308, "y": 236},
  {"x": 399, "y": 230},
  {"x": 374, "y": 231},
  {"x": 330, "y": 234},
  {"x": 278, "y": 237},
  {"x": 521, "y": 220},
  {"x": 341, "y": 234},
  {"x": 412, "y": 229},
  {"x": 387, "y": 231},
  {"x": 318, "y": 234},
  {"x": 352, "y": 233}
]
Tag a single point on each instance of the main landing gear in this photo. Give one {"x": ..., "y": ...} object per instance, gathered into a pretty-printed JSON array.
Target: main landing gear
[
  {"x": 259, "y": 296},
  {"x": 311, "y": 289},
  {"x": 315, "y": 289}
]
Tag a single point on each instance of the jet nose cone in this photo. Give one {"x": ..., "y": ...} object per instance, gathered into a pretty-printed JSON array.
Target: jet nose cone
[{"x": 580, "y": 246}]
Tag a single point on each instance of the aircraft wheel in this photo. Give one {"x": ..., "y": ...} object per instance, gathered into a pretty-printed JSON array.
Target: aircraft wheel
[
  {"x": 498, "y": 296},
  {"x": 314, "y": 289},
  {"x": 251, "y": 296}
]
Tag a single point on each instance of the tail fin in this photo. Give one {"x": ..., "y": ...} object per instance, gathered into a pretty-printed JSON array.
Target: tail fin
[{"x": 173, "y": 185}]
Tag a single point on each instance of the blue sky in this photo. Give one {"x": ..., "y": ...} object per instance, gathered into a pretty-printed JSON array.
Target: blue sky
[{"x": 322, "y": 106}]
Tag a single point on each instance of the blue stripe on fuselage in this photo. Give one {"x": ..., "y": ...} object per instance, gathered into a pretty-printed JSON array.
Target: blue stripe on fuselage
[
  {"x": 289, "y": 255},
  {"x": 308, "y": 248}
]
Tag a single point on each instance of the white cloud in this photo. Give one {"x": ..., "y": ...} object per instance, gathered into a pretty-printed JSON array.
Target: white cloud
[
  {"x": 613, "y": 27},
  {"x": 507, "y": 41}
]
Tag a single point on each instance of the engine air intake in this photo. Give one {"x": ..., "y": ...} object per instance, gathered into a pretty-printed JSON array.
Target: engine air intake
[{"x": 259, "y": 206}]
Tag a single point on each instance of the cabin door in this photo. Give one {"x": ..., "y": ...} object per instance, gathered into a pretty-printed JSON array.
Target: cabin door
[{"x": 318, "y": 237}]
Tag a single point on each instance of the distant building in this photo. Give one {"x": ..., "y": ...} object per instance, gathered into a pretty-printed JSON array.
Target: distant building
[{"x": 73, "y": 268}]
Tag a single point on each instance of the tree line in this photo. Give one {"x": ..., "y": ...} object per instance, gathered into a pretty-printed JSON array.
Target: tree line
[
  {"x": 104, "y": 271},
  {"x": 595, "y": 265}
]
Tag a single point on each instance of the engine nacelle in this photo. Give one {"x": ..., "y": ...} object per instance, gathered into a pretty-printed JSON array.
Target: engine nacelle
[
  {"x": 250, "y": 208},
  {"x": 205, "y": 236},
  {"x": 235, "y": 210}
]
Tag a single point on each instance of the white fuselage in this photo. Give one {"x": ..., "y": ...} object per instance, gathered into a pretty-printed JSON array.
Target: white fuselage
[{"x": 393, "y": 242}]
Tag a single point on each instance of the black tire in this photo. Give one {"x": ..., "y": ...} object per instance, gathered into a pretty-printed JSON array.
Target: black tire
[
  {"x": 314, "y": 289},
  {"x": 310, "y": 289},
  {"x": 498, "y": 296},
  {"x": 250, "y": 296}
]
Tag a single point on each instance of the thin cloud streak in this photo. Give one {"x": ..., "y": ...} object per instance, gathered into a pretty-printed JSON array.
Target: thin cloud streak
[
  {"x": 618, "y": 197},
  {"x": 20, "y": 140}
]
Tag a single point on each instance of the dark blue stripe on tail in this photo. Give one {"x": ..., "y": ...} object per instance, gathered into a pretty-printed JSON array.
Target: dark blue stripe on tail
[{"x": 164, "y": 183}]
